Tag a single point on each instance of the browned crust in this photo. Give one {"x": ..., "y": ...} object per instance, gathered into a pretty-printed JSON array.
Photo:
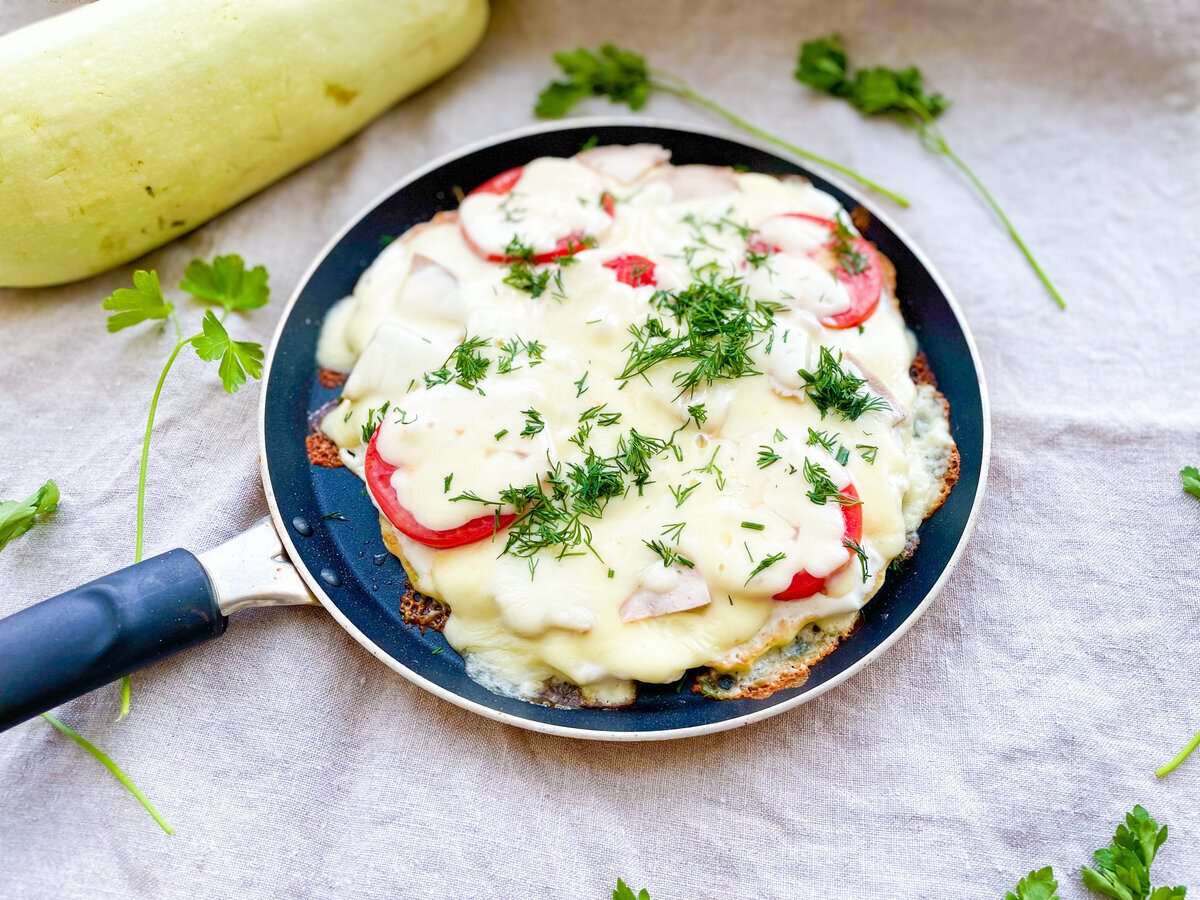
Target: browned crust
[
  {"x": 792, "y": 675},
  {"x": 330, "y": 378},
  {"x": 322, "y": 451},
  {"x": 888, "y": 271},
  {"x": 861, "y": 217},
  {"x": 922, "y": 374},
  {"x": 423, "y": 612}
]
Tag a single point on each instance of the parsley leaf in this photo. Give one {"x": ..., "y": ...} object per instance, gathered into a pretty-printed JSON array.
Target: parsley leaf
[
  {"x": 227, "y": 282},
  {"x": 1037, "y": 885},
  {"x": 623, "y": 77},
  {"x": 625, "y": 892},
  {"x": 1191, "y": 480},
  {"x": 238, "y": 358},
  {"x": 131, "y": 306},
  {"x": 901, "y": 96},
  {"x": 17, "y": 516},
  {"x": 1123, "y": 867}
]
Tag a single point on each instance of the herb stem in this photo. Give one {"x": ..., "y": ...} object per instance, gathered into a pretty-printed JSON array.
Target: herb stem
[
  {"x": 686, "y": 93},
  {"x": 112, "y": 767},
  {"x": 141, "y": 494},
  {"x": 934, "y": 140},
  {"x": 1183, "y": 754}
]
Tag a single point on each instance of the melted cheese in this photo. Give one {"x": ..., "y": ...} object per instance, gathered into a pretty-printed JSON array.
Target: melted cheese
[{"x": 605, "y": 618}]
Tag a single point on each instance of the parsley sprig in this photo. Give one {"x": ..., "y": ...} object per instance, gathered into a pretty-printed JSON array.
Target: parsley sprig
[
  {"x": 901, "y": 96},
  {"x": 225, "y": 282},
  {"x": 18, "y": 516},
  {"x": 623, "y": 77},
  {"x": 1122, "y": 869}
]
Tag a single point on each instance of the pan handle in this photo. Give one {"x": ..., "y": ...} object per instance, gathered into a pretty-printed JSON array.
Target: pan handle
[{"x": 63, "y": 647}]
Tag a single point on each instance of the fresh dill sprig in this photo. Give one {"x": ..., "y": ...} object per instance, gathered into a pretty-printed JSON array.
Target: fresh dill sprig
[
  {"x": 867, "y": 452},
  {"x": 681, "y": 493},
  {"x": 767, "y": 456},
  {"x": 623, "y": 77},
  {"x": 764, "y": 564},
  {"x": 512, "y": 347},
  {"x": 522, "y": 273},
  {"x": 717, "y": 325},
  {"x": 674, "y": 531},
  {"x": 857, "y": 549},
  {"x": 832, "y": 387},
  {"x": 822, "y": 439},
  {"x": 534, "y": 422},
  {"x": 374, "y": 420},
  {"x": 668, "y": 555},
  {"x": 465, "y": 365},
  {"x": 823, "y": 488}
]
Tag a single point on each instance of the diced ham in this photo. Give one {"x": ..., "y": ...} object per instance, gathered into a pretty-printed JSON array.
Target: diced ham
[
  {"x": 690, "y": 591},
  {"x": 876, "y": 386},
  {"x": 697, "y": 182},
  {"x": 625, "y": 164}
]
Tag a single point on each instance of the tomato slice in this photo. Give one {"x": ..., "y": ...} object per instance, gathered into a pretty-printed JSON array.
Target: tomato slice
[
  {"x": 502, "y": 183},
  {"x": 632, "y": 270},
  {"x": 864, "y": 287},
  {"x": 379, "y": 483},
  {"x": 566, "y": 246},
  {"x": 805, "y": 585}
]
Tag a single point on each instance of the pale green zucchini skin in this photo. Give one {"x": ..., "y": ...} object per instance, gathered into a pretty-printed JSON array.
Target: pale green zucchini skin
[{"x": 125, "y": 123}]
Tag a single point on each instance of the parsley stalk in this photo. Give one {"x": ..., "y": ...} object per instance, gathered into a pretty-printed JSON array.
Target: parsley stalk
[
  {"x": 227, "y": 282},
  {"x": 112, "y": 767},
  {"x": 623, "y": 77},
  {"x": 900, "y": 96}
]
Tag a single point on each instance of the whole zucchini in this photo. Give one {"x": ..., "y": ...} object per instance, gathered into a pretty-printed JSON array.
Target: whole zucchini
[{"x": 125, "y": 123}]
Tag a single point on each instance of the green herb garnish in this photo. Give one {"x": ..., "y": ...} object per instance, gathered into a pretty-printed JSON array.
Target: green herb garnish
[
  {"x": 754, "y": 526},
  {"x": 225, "y": 281},
  {"x": 1191, "y": 480},
  {"x": 533, "y": 422},
  {"x": 112, "y": 767},
  {"x": 717, "y": 325},
  {"x": 857, "y": 549},
  {"x": 823, "y": 488},
  {"x": 465, "y": 365},
  {"x": 901, "y": 96},
  {"x": 18, "y": 516},
  {"x": 1123, "y": 867},
  {"x": 765, "y": 564},
  {"x": 767, "y": 456},
  {"x": 1037, "y": 885},
  {"x": 668, "y": 555},
  {"x": 833, "y": 388},
  {"x": 624, "y": 891},
  {"x": 623, "y": 77},
  {"x": 867, "y": 452}
]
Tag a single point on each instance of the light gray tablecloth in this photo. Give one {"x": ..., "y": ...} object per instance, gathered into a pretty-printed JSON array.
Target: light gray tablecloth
[{"x": 1010, "y": 728}]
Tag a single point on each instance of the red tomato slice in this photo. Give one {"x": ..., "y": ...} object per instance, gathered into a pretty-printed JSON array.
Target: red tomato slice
[
  {"x": 379, "y": 483},
  {"x": 864, "y": 287},
  {"x": 805, "y": 585},
  {"x": 632, "y": 270},
  {"x": 502, "y": 183},
  {"x": 566, "y": 246}
]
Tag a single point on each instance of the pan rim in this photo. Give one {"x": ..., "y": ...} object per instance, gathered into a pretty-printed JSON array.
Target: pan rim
[{"x": 315, "y": 584}]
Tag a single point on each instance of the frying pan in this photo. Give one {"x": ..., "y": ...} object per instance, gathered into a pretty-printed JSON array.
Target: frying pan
[{"x": 63, "y": 647}]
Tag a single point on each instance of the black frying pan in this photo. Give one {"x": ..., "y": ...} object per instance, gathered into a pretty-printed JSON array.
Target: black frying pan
[{"x": 80, "y": 640}]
